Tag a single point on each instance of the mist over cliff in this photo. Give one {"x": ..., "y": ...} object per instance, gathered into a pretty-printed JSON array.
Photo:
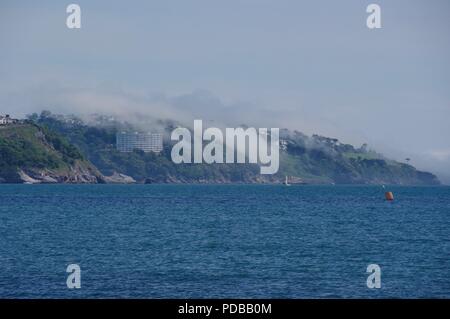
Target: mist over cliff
[
  {"x": 146, "y": 110},
  {"x": 304, "y": 159}
]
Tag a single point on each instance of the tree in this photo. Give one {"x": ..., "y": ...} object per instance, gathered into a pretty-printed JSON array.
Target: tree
[{"x": 46, "y": 114}]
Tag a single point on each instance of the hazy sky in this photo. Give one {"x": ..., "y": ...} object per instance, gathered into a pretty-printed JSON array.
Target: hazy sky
[{"x": 309, "y": 65}]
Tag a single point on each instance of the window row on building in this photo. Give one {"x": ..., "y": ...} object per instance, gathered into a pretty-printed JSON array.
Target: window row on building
[{"x": 147, "y": 142}]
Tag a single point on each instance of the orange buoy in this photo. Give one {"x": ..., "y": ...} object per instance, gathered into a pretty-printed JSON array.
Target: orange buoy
[{"x": 389, "y": 196}]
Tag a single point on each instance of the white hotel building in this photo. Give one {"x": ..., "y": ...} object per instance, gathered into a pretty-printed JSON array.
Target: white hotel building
[{"x": 147, "y": 142}]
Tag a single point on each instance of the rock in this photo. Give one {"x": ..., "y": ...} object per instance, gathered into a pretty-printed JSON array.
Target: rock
[
  {"x": 26, "y": 179},
  {"x": 118, "y": 178},
  {"x": 79, "y": 173},
  {"x": 49, "y": 180}
]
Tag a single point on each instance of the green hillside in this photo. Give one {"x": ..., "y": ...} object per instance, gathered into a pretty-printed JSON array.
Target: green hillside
[
  {"x": 304, "y": 159},
  {"x": 38, "y": 154}
]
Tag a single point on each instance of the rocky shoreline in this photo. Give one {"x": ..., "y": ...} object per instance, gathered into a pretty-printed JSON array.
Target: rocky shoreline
[{"x": 76, "y": 174}]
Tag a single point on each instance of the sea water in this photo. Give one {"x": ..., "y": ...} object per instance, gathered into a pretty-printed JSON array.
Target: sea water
[{"x": 223, "y": 241}]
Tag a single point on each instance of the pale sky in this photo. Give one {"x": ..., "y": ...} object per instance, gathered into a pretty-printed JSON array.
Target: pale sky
[{"x": 307, "y": 65}]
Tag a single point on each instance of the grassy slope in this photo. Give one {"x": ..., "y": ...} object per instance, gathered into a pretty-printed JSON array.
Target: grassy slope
[{"x": 32, "y": 147}]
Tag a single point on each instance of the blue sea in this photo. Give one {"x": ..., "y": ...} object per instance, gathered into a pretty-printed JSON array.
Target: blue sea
[{"x": 223, "y": 241}]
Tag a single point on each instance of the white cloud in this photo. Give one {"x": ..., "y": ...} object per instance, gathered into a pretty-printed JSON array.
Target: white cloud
[{"x": 440, "y": 155}]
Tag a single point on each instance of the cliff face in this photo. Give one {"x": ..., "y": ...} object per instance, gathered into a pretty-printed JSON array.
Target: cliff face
[{"x": 32, "y": 154}]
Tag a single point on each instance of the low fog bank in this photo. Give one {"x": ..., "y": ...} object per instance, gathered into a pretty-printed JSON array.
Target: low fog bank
[{"x": 147, "y": 111}]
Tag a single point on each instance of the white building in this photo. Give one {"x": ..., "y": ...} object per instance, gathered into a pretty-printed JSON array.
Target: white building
[
  {"x": 147, "y": 142},
  {"x": 7, "y": 120}
]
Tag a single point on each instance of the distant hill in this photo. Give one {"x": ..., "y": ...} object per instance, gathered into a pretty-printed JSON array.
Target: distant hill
[
  {"x": 311, "y": 160},
  {"x": 30, "y": 153},
  {"x": 319, "y": 158}
]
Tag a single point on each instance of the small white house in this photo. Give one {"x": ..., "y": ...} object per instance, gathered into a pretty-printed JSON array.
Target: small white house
[{"x": 7, "y": 120}]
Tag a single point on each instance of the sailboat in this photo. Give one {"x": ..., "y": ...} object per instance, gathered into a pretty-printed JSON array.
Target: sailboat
[{"x": 286, "y": 182}]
